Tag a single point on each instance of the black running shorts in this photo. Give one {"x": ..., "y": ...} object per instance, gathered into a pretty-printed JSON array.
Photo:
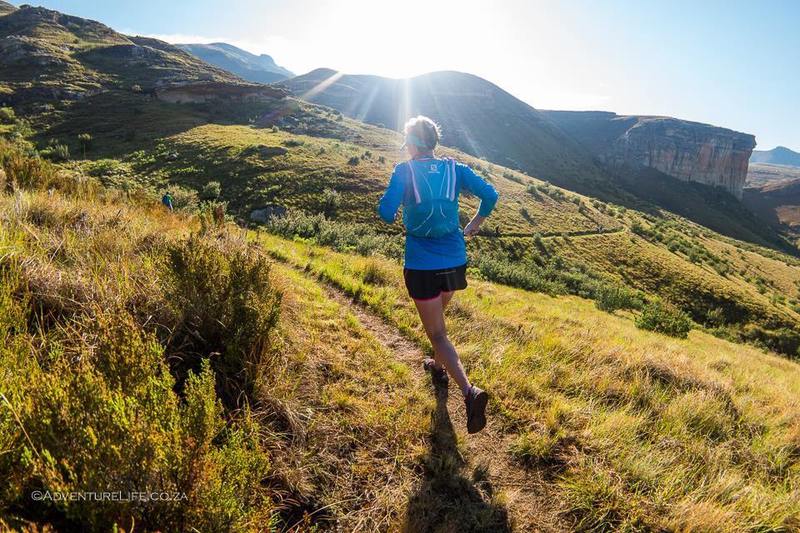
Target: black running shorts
[{"x": 428, "y": 284}]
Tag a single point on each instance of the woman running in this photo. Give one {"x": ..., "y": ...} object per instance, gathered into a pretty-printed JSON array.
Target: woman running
[{"x": 436, "y": 254}]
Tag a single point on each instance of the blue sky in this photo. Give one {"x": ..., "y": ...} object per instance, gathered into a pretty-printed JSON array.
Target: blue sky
[{"x": 730, "y": 63}]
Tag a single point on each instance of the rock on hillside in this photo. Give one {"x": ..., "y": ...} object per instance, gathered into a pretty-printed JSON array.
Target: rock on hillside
[
  {"x": 689, "y": 151},
  {"x": 209, "y": 91}
]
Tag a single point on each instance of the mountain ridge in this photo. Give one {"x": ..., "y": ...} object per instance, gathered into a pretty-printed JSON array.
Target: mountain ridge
[
  {"x": 46, "y": 55},
  {"x": 251, "y": 67},
  {"x": 780, "y": 155},
  {"x": 484, "y": 120}
]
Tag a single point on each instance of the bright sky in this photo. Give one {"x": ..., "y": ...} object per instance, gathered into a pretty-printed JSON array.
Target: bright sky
[{"x": 732, "y": 63}]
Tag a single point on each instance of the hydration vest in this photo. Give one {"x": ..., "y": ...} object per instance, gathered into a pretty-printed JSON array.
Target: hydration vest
[{"x": 433, "y": 207}]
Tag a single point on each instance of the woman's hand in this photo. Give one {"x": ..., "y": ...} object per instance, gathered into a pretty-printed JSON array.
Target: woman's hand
[{"x": 474, "y": 226}]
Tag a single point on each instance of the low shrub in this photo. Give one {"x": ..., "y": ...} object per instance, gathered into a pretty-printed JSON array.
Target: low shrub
[
  {"x": 225, "y": 304},
  {"x": 331, "y": 202},
  {"x": 341, "y": 236},
  {"x": 612, "y": 297},
  {"x": 7, "y": 115},
  {"x": 56, "y": 151},
  {"x": 517, "y": 275},
  {"x": 90, "y": 406},
  {"x": 183, "y": 198},
  {"x": 211, "y": 191},
  {"x": 665, "y": 318},
  {"x": 782, "y": 340}
]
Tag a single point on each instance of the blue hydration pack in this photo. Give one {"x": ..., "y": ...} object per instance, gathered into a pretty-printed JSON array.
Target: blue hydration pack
[{"x": 432, "y": 206}]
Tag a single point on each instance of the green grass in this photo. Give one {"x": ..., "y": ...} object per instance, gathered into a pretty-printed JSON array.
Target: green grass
[
  {"x": 626, "y": 429},
  {"x": 637, "y": 431},
  {"x": 107, "y": 385}
]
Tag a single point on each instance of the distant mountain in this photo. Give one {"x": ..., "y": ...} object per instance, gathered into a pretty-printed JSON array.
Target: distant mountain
[
  {"x": 256, "y": 68},
  {"x": 777, "y": 156}
]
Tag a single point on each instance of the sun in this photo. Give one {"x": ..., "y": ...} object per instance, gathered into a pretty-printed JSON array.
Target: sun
[{"x": 403, "y": 39}]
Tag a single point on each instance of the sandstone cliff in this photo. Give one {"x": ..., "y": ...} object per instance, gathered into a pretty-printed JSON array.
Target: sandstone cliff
[{"x": 689, "y": 151}]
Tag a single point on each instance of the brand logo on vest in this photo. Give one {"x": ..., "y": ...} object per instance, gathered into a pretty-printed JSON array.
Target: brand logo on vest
[{"x": 434, "y": 168}]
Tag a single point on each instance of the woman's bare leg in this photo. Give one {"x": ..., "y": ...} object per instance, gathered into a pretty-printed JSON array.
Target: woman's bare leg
[
  {"x": 446, "y": 297},
  {"x": 432, "y": 314}
]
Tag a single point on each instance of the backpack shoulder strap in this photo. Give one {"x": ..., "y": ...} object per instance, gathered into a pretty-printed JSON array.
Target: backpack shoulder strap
[
  {"x": 413, "y": 181},
  {"x": 450, "y": 177}
]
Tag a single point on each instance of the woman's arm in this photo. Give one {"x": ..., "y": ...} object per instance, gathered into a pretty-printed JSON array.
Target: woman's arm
[
  {"x": 392, "y": 198},
  {"x": 483, "y": 190}
]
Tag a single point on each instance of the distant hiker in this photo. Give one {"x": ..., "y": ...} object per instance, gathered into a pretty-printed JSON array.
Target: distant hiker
[
  {"x": 436, "y": 254},
  {"x": 167, "y": 200}
]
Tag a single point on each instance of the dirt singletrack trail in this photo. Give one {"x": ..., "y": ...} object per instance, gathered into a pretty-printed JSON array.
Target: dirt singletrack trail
[{"x": 529, "y": 501}]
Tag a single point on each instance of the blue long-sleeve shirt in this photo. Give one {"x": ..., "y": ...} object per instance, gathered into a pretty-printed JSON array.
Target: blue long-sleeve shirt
[{"x": 425, "y": 253}]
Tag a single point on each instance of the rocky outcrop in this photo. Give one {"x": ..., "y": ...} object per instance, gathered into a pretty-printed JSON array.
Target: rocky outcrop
[
  {"x": 266, "y": 213},
  {"x": 213, "y": 91},
  {"x": 6, "y": 8},
  {"x": 689, "y": 151}
]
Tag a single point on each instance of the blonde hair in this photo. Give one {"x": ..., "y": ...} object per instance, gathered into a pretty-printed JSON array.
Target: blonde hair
[{"x": 424, "y": 129}]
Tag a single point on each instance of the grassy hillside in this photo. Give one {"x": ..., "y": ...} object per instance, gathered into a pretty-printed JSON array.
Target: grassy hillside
[
  {"x": 302, "y": 404},
  {"x": 568, "y": 149},
  {"x": 283, "y": 153},
  {"x": 615, "y": 428},
  {"x": 295, "y": 155},
  {"x": 51, "y": 56}
]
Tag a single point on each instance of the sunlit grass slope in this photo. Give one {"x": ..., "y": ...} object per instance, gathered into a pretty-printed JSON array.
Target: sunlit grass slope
[
  {"x": 636, "y": 430},
  {"x": 142, "y": 350}
]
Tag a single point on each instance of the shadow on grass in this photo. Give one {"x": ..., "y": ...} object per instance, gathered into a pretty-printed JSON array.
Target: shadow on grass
[{"x": 447, "y": 499}]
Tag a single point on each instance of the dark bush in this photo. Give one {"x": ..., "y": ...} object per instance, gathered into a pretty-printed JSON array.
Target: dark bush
[
  {"x": 612, "y": 297},
  {"x": 226, "y": 305},
  {"x": 331, "y": 202},
  {"x": 782, "y": 340},
  {"x": 518, "y": 275},
  {"x": 211, "y": 191},
  {"x": 665, "y": 318}
]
